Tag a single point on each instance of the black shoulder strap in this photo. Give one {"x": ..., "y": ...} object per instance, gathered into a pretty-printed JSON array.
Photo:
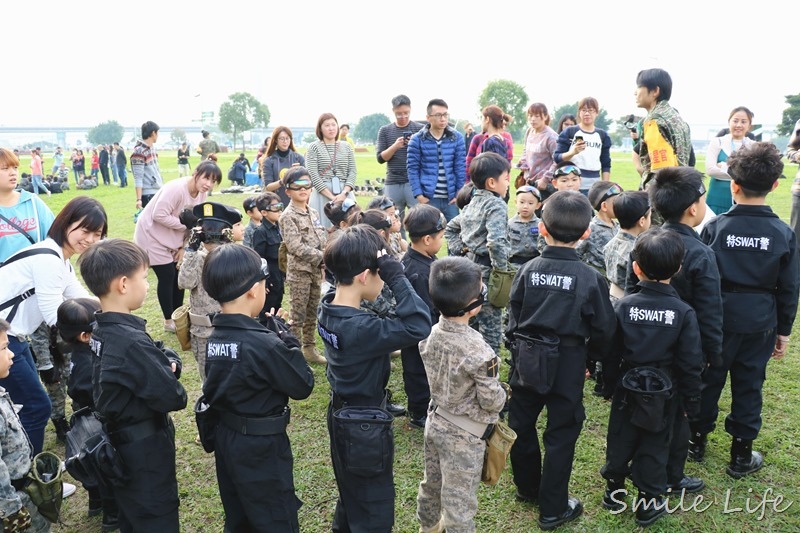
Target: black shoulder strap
[
  {"x": 14, "y": 303},
  {"x": 19, "y": 229}
]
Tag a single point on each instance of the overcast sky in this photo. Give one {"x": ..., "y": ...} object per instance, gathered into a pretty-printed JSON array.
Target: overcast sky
[{"x": 82, "y": 63}]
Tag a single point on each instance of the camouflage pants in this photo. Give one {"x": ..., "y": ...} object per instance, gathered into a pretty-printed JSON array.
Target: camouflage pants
[
  {"x": 199, "y": 350},
  {"x": 40, "y": 346},
  {"x": 489, "y": 319},
  {"x": 304, "y": 296},
  {"x": 39, "y": 524},
  {"x": 449, "y": 490}
]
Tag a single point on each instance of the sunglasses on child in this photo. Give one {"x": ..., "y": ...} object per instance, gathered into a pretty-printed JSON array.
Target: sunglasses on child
[
  {"x": 300, "y": 185},
  {"x": 611, "y": 191},
  {"x": 565, "y": 170},
  {"x": 531, "y": 189},
  {"x": 275, "y": 208},
  {"x": 481, "y": 299}
]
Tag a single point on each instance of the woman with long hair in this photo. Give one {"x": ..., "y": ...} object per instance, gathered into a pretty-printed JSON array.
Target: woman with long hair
[{"x": 280, "y": 154}]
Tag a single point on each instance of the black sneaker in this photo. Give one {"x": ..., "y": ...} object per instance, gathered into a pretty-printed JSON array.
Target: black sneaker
[
  {"x": 417, "y": 422},
  {"x": 689, "y": 485},
  {"x": 525, "y": 497},
  {"x": 395, "y": 409},
  {"x": 574, "y": 510},
  {"x": 655, "y": 508}
]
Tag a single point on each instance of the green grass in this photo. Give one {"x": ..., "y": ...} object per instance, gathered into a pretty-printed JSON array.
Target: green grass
[{"x": 201, "y": 509}]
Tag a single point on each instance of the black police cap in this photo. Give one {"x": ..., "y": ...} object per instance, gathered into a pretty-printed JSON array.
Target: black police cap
[{"x": 214, "y": 211}]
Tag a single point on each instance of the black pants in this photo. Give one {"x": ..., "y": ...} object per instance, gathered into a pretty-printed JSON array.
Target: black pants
[
  {"x": 170, "y": 296},
  {"x": 145, "y": 198},
  {"x": 256, "y": 483},
  {"x": 678, "y": 444},
  {"x": 365, "y": 504},
  {"x": 635, "y": 452},
  {"x": 276, "y": 287},
  {"x": 745, "y": 357},
  {"x": 149, "y": 501},
  {"x": 415, "y": 382},
  {"x": 104, "y": 173},
  {"x": 549, "y": 480}
]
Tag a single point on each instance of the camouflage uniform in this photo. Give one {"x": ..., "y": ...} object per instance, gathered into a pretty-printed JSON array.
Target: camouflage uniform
[
  {"x": 40, "y": 346},
  {"x": 668, "y": 123},
  {"x": 484, "y": 231},
  {"x": 17, "y": 454},
  {"x": 305, "y": 238},
  {"x": 463, "y": 375},
  {"x": 591, "y": 250},
  {"x": 200, "y": 303},
  {"x": 617, "y": 255},
  {"x": 248, "y": 233},
  {"x": 523, "y": 237},
  {"x": 452, "y": 234},
  {"x": 384, "y": 305},
  {"x": 395, "y": 247}
]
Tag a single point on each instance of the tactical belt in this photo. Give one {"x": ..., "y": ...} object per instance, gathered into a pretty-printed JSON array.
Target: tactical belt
[
  {"x": 464, "y": 422},
  {"x": 21, "y": 483},
  {"x": 728, "y": 286},
  {"x": 337, "y": 402},
  {"x": 268, "y": 425},
  {"x": 483, "y": 260},
  {"x": 521, "y": 259},
  {"x": 200, "y": 320},
  {"x": 138, "y": 431}
]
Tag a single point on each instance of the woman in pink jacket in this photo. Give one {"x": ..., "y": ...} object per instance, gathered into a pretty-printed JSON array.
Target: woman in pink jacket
[{"x": 161, "y": 228}]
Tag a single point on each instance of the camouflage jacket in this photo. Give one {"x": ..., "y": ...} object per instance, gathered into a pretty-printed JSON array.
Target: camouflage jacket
[
  {"x": 673, "y": 129},
  {"x": 484, "y": 228},
  {"x": 190, "y": 276},
  {"x": 617, "y": 254},
  {"x": 452, "y": 234},
  {"x": 304, "y": 237},
  {"x": 385, "y": 306},
  {"x": 462, "y": 371},
  {"x": 523, "y": 237},
  {"x": 249, "y": 230},
  {"x": 17, "y": 454},
  {"x": 591, "y": 250}
]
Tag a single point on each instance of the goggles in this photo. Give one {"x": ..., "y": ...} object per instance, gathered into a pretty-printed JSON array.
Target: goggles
[
  {"x": 565, "y": 170},
  {"x": 275, "y": 208},
  {"x": 701, "y": 190},
  {"x": 262, "y": 274},
  {"x": 299, "y": 185},
  {"x": 611, "y": 191},
  {"x": 348, "y": 204},
  {"x": 531, "y": 189},
  {"x": 386, "y": 203},
  {"x": 484, "y": 294},
  {"x": 440, "y": 225}
]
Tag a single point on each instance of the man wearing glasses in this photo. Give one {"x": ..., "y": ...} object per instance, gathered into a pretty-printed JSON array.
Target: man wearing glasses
[
  {"x": 391, "y": 149},
  {"x": 437, "y": 161}
]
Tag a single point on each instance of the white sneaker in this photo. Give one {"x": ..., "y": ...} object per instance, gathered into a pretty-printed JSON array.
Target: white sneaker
[{"x": 68, "y": 490}]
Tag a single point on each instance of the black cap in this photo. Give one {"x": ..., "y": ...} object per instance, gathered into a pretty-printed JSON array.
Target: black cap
[{"x": 214, "y": 211}]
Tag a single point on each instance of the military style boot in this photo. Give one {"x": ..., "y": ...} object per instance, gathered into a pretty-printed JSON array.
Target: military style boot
[
  {"x": 62, "y": 426},
  {"x": 312, "y": 355},
  {"x": 744, "y": 460},
  {"x": 614, "y": 495},
  {"x": 697, "y": 447},
  {"x": 649, "y": 508}
]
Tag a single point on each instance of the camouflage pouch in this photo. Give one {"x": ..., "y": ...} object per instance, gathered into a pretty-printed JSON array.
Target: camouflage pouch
[
  {"x": 181, "y": 318},
  {"x": 283, "y": 257},
  {"x": 500, "y": 286},
  {"x": 46, "y": 488},
  {"x": 19, "y": 521}
]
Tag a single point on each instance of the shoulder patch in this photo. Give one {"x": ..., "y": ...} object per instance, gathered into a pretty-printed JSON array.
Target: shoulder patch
[
  {"x": 651, "y": 316},
  {"x": 96, "y": 346},
  {"x": 224, "y": 350},
  {"x": 552, "y": 281},
  {"x": 749, "y": 243},
  {"x": 493, "y": 367},
  {"x": 333, "y": 339}
]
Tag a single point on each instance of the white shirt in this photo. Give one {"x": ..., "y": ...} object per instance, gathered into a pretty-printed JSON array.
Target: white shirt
[{"x": 54, "y": 280}]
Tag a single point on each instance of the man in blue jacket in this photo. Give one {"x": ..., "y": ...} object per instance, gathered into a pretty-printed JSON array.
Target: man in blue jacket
[{"x": 436, "y": 161}]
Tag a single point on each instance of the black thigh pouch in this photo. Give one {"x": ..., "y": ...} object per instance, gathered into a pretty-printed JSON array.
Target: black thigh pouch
[
  {"x": 206, "y": 420},
  {"x": 535, "y": 361},
  {"x": 364, "y": 440},
  {"x": 648, "y": 390}
]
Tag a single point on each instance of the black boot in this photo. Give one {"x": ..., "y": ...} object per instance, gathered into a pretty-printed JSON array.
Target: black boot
[
  {"x": 95, "y": 501},
  {"x": 697, "y": 447},
  {"x": 62, "y": 426},
  {"x": 649, "y": 508},
  {"x": 744, "y": 460},
  {"x": 614, "y": 495},
  {"x": 110, "y": 516}
]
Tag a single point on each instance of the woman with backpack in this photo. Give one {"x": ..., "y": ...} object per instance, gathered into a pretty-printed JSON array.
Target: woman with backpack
[{"x": 493, "y": 137}]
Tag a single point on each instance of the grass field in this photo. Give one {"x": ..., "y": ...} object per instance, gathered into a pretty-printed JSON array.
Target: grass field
[{"x": 725, "y": 501}]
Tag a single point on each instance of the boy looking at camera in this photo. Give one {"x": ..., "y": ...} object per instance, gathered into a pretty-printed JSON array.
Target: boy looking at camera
[
  {"x": 632, "y": 209},
  {"x": 756, "y": 255},
  {"x": 357, "y": 347},
  {"x": 523, "y": 228},
  {"x": 559, "y": 308},
  {"x": 467, "y": 397},
  {"x": 249, "y": 205},
  {"x": 603, "y": 226},
  {"x": 135, "y": 387}
]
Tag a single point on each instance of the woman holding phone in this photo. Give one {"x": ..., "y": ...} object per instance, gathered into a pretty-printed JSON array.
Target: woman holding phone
[
  {"x": 280, "y": 155},
  {"x": 587, "y": 147},
  {"x": 331, "y": 165}
]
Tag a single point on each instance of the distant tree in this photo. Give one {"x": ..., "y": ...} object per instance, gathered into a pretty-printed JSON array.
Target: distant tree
[
  {"x": 309, "y": 137},
  {"x": 511, "y": 98},
  {"x": 790, "y": 115},
  {"x": 602, "y": 121},
  {"x": 178, "y": 135},
  {"x": 367, "y": 128},
  {"x": 106, "y": 133},
  {"x": 242, "y": 112}
]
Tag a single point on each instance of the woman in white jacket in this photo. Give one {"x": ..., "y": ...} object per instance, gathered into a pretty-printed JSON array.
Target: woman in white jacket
[
  {"x": 35, "y": 282},
  {"x": 719, "y": 150}
]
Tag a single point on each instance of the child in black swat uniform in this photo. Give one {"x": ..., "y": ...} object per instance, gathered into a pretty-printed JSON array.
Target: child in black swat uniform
[
  {"x": 251, "y": 374},
  {"x": 758, "y": 265},
  {"x": 557, "y": 304},
  {"x": 357, "y": 347},
  {"x": 655, "y": 330},
  {"x": 135, "y": 386}
]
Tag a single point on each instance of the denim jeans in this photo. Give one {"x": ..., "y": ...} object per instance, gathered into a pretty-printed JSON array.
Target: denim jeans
[
  {"x": 449, "y": 210},
  {"x": 38, "y": 183},
  {"x": 123, "y": 176},
  {"x": 401, "y": 195}
]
